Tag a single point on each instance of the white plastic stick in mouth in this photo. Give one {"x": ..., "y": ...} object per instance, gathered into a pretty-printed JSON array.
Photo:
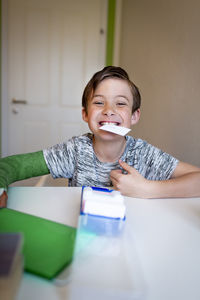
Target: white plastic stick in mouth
[{"x": 115, "y": 129}]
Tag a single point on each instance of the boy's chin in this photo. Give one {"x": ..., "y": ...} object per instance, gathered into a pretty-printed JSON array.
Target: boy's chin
[{"x": 107, "y": 136}]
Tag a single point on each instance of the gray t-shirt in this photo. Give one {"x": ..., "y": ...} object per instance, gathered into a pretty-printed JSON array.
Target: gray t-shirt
[{"x": 75, "y": 159}]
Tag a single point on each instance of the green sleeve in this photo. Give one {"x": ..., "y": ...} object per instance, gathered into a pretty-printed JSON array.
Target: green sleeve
[{"x": 22, "y": 166}]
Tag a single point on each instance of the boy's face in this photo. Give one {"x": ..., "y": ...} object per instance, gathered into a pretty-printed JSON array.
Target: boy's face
[{"x": 111, "y": 102}]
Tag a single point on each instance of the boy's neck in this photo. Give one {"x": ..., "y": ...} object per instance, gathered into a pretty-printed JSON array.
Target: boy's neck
[{"x": 109, "y": 151}]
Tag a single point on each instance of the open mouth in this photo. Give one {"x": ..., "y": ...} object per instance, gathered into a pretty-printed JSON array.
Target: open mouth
[{"x": 109, "y": 123}]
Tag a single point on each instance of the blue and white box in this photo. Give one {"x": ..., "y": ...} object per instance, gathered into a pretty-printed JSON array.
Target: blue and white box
[{"x": 102, "y": 210}]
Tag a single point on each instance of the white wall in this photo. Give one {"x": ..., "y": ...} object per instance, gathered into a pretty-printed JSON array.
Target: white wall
[{"x": 160, "y": 49}]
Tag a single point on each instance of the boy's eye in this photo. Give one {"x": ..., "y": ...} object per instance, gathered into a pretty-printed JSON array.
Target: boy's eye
[
  {"x": 121, "y": 103},
  {"x": 98, "y": 102}
]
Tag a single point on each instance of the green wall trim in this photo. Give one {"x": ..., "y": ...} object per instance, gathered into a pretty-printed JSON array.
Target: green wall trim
[{"x": 110, "y": 32}]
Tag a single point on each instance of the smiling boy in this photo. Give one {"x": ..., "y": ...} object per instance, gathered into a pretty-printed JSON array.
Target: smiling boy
[
  {"x": 111, "y": 103},
  {"x": 114, "y": 99},
  {"x": 106, "y": 159}
]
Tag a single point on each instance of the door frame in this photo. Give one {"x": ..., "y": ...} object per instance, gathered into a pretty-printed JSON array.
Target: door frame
[
  {"x": 4, "y": 80},
  {"x": 113, "y": 29}
]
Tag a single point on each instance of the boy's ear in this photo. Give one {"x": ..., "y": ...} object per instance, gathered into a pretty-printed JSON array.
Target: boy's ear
[
  {"x": 84, "y": 115},
  {"x": 135, "y": 117}
]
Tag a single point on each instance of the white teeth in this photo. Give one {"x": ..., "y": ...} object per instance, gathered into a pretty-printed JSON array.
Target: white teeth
[{"x": 107, "y": 123}]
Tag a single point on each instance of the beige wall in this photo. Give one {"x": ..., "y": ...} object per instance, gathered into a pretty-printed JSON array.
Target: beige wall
[{"x": 160, "y": 49}]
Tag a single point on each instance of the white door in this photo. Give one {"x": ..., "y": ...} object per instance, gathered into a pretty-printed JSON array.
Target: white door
[{"x": 54, "y": 47}]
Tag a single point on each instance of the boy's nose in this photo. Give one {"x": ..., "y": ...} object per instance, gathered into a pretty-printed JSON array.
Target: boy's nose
[{"x": 108, "y": 110}]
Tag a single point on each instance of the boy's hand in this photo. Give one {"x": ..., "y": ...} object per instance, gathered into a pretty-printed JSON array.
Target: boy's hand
[
  {"x": 131, "y": 184},
  {"x": 3, "y": 199}
]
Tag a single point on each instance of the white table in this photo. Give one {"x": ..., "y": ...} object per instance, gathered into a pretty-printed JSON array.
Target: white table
[{"x": 166, "y": 237}]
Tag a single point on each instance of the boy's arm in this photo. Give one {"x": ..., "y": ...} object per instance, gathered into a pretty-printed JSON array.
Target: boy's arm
[
  {"x": 184, "y": 182},
  {"x": 22, "y": 166}
]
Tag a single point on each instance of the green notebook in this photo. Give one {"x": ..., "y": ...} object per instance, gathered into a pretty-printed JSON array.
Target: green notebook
[{"x": 48, "y": 246}]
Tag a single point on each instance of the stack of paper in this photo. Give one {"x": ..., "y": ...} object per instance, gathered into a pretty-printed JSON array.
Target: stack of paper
[{"x": 107, "y": 203}]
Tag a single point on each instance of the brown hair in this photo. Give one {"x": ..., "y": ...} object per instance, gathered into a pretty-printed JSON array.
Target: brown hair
[{"x": 110, "y": 72}]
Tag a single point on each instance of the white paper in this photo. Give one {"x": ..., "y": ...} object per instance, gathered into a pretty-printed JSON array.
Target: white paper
[{"x": 115, "y": 129}]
